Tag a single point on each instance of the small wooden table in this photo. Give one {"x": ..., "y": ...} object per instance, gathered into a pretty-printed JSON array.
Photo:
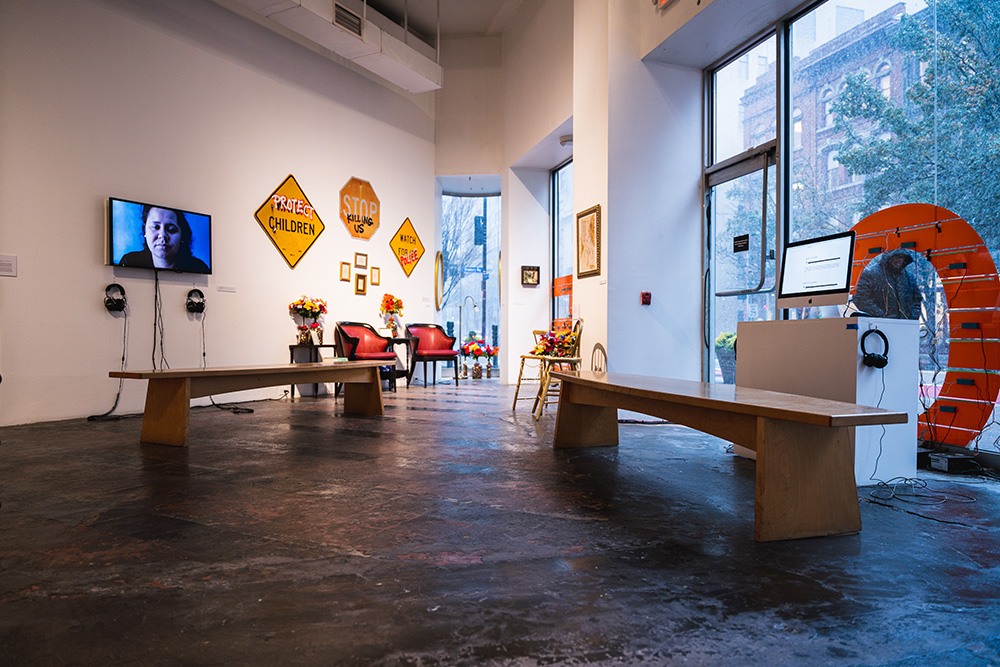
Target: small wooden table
[
  {"x": 166, "y": 417},
  {"x": 805, "y": 446},
  {"x": 314, "y": 356}
]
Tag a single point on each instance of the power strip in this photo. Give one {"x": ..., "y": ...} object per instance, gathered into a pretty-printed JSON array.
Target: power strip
[{"x": 952, "y": 463}]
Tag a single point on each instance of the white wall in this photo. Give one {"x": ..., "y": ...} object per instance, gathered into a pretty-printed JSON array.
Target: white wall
[
  {"x": 591, "y": 90},
  {"x": 185, "y": 104},
  {"x": 468, "y": 108},
  {"x": 537, "y": 105},
  {"x": 537, "y": 76},
  {"x": 655, "y": 231}
]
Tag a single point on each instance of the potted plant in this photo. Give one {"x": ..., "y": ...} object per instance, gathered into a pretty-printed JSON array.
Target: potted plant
[{"x": 725, "y": 352}]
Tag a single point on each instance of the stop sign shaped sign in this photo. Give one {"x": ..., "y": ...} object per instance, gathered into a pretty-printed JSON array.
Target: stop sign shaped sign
[{"x": 359, "y": 208}]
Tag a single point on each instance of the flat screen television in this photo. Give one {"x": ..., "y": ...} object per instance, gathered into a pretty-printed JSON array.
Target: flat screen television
[
  {"x": 152, "y": 236},
  {"x": 816, "y": 272}
]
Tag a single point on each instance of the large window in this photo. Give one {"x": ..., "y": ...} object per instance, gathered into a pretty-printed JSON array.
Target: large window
[
  {"x": 563, "y": 241},
  {"x": 470, "y": 244},
  {"x": 883, "y": 102},
  {"x": 741, "y": 203}
]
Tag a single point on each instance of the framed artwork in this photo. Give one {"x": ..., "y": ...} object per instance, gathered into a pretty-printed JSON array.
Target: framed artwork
[
  {"x": 345, "y": 272},
  {"x": 588, "y": 242},
  {"x": 360, "y": 260},
  {"x": 529, "y": 275},
  {"x": 360, "y": 284},
  {"x": 375, "y": 276}
]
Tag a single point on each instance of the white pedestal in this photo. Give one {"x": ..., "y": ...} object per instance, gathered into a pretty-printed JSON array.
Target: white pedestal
[{"x": 822, "y": 358}]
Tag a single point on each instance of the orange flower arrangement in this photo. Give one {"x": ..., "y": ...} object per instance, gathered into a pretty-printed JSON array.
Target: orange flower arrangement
[{"x": 390, "y": 305}]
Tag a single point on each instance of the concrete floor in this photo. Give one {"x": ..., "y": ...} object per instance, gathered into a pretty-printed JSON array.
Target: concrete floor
[{"x": 450, "y": 533}]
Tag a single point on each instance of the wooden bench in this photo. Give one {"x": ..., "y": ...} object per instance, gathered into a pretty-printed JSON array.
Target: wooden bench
[
  {"x": 166, "y": 417},
  {"x": 805, "y": 446}
]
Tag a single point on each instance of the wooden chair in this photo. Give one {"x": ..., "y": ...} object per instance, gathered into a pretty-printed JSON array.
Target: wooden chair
[
  {"x": 533, "y": 364},
  {"x": 548, "y": 389},
  {"x": 599, "y": 359},
  {"x": 541, "y": 362},
  {"x": 360, "y": 341},
  {"x": 432, "y": 344}
]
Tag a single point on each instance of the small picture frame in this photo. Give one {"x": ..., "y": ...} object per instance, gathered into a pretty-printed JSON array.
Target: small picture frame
[
  {"x": 375, "y": 276},
  {"x": 360, "y": 260},
  {"x": 360, "y": 284},
  {"x": 530, "y": 276},
  {"x": 345, "y": 272},
  {"x": 588, "y": 242}
]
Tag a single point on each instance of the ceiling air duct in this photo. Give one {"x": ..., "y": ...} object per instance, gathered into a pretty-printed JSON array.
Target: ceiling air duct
[{"x": 353, "y": 31}]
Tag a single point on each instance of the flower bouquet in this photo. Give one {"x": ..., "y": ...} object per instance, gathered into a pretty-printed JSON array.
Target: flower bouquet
[
  {"x": 391, "y": 308},
  {"x": 308, "y": 308},
  {"x": 556, "y": 344},
  {"x": 476, "y": 348}
]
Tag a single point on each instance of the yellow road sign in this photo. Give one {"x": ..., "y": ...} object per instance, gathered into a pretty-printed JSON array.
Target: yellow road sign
[
  {"x": 406, "y": 246},
  {"x": 290, "y": 221}
]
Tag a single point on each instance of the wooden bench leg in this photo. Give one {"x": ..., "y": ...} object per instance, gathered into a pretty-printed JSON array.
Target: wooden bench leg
[
  {"x": 166, "y": 418},
  {"x": 805, "y": 481},
  {"x": 584, "y": 425},
  {"x": 364, "y": 398}
]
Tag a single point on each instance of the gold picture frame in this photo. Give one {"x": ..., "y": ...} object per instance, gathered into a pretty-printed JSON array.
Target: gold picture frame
[
  {"x": 345, "y": 272},
  {"x": 375, "y": 276},
  {"x": 530, "y": 275},
  {"x": 588, "y": 242},
  {"x": 360, "y": 284},
  {"x": 360, "y": 260}
]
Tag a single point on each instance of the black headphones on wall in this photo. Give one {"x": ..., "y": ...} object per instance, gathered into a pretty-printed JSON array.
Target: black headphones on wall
[
  {"x": 114, "y": 298},
  {"x": 195, "y": 301},
  {"x": 872, "y": 359}
]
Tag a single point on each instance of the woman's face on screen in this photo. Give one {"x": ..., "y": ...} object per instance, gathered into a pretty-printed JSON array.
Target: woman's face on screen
[{"x": 163, "y": 236}]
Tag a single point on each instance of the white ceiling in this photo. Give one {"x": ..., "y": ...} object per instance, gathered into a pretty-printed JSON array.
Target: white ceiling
[{"x": 458, "y": 17}]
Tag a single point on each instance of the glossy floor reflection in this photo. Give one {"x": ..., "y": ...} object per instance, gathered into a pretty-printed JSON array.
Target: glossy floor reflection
[{"x": 449, "y": 532}]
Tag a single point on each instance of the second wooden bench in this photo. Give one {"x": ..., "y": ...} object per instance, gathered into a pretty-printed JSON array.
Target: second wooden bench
[{"x": 166, "y": 417}]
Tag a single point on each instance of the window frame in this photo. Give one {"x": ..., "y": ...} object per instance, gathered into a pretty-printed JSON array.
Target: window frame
[{"x": 554, "y": 235}]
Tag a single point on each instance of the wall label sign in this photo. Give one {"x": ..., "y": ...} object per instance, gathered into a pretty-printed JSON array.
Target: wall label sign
[
  {"x": 406, "y": 246},
  {"x": 359, "y": 208},
  {"x": 741, "y": 243},
  {"x": 290, "y": 221}
]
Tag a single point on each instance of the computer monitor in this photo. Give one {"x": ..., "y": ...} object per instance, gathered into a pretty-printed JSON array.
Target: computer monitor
[{"x": 816, "y": 272}]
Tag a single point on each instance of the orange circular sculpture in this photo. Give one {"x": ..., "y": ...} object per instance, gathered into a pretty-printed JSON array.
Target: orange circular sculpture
[{"x": 966, "y": 399}]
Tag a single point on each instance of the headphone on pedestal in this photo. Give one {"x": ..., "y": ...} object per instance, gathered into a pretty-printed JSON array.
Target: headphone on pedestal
[
  {"x": 873, "y": 359},
  {"x": 195, "y": 301},
  {"x": 114, "y": 298}
]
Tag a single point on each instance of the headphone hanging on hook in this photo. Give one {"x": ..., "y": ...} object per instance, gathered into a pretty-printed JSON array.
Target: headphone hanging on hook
[
  {"x": 195, "y": 302},
  {"x": 874, "y": 359},
  {"x": 114, "y": 298}
]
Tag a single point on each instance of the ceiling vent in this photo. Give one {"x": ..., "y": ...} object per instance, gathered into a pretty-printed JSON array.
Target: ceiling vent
[
  {"x": 347, "y": 19},
  {"x": 363, "y": 36}
]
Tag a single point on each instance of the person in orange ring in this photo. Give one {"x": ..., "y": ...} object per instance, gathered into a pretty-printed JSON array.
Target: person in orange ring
[{"x": 887, "y": 288}]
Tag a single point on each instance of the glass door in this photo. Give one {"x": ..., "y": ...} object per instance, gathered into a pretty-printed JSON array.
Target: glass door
[{"x": 741, "y": 202}]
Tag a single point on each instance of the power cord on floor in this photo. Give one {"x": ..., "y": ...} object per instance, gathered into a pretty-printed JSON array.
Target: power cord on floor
[{"x": 916, "y": 491}]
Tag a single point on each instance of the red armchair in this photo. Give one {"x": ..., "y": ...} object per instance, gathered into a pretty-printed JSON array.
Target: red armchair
[
  {"x": 360, "y": 341},
  {"x": 431, "y": 344}
]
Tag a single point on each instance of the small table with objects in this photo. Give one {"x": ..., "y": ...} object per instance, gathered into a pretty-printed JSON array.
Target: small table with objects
[{"x": 313, "y": 356}]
